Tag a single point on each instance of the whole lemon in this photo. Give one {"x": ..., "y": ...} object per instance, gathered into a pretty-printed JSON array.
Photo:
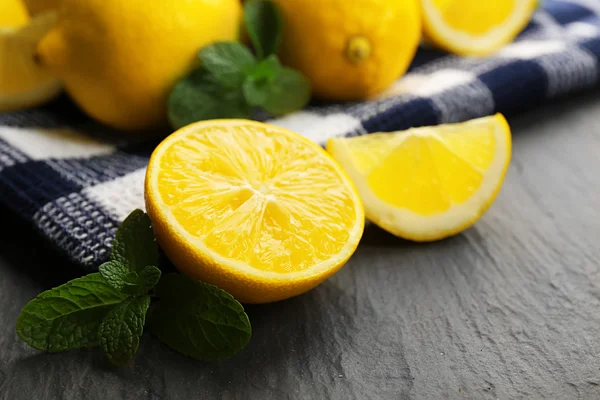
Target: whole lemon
[
  {"x": 120, "y": 59},
  {"x": 350, "y": 50}
]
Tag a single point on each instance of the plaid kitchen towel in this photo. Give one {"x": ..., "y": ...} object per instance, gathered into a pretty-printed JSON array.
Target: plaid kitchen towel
[{"x": 75, "y": 187}]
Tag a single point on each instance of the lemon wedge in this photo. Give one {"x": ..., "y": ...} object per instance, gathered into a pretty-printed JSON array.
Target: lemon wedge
[
  {"x": 255, "y": 209},
  {"x": 428, "y": 183},
  {"x": 475, "y": 27},
  {"x": 24, "y": 83}
]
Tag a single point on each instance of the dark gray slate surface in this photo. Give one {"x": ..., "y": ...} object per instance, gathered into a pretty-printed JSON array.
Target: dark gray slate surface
[{"x": 509, "y": 309}]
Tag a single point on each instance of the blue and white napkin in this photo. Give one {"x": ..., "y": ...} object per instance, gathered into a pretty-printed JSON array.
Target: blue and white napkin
[{"x": 57, "y": 172}]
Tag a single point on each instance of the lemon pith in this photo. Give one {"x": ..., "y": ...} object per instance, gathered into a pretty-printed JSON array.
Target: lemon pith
[
  {"x": 257, "y": 210},
  {"x": 428, "y": 183}
]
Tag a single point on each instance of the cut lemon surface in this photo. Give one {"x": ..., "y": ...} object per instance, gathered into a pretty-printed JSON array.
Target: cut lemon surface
[
  {"x": 428, "y": 183},
  {"x": 475, "y": 27},
  {"x": 255, "y": 209},
  {"x": 23, "y": 82}
]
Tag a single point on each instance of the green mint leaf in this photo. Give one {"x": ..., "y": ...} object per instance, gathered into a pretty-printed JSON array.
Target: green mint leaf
[
  {"x": 256, "y": 91},
  {"x": 267, "y": 68},
  {"x": 68, "y": 316},
  {"x": 264, "y": 25},
  {"x": 227, "y": 62},
  {"x": 150, "y": 276},
  {"x": 129, "y": 282},
  {"x": 121, "y": 329},
  {"x": 199, "y": 97},
  {"x": 134, "y": 245},
  {"x": 258, "y": 84},
  {"x": 119, "y": 276},
  {"x": 198, "y": 319},
  {"x": 287, "y": 91}
]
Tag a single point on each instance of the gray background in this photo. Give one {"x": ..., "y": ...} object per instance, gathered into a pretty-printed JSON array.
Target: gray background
[{"x": 509, "y": 309}]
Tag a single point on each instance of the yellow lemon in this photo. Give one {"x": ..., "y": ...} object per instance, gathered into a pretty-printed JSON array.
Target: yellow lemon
[
  {"x": 13, "y": 14},
  {"x": 257, "y": 210},
  {"x": 475, "y": 27},
  {"x": 39, "y": 6},
  {"x": 428, "y": 183},
  {"x": 23, "y": 82},
  {"x": 350, "y": 50},
  {"x": 120, "y": 59}
]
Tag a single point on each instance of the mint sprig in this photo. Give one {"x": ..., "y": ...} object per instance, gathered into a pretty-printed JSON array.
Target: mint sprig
[
  {"x": 270, "y": 88},
  {"x": 231, "y": 82},
  {"x": 199, "y": 97},
  {"x": 108, "y": 309}
]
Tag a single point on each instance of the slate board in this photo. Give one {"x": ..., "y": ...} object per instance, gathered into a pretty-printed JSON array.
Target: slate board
[{"x": 509, "y": 309}]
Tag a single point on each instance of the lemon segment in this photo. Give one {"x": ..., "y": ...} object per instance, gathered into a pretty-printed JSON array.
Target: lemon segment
[
  {"x": 474, "y": 27},
  {"x": 23, "y": 82},
  {"x": 258, "y": 210},
  {"x": 428, "y": 183}
]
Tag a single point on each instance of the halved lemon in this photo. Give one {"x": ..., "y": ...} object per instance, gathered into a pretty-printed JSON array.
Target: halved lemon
[
  {"x": 23, "y": 82},
  {"x": 428, "y": 183},
  {"x": 255, "y": 209},
  {"x": 475, "y": 27}
]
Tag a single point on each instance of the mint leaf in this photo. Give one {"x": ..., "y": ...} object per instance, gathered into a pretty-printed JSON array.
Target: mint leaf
[
  {"x": 119, "y": 276},
  {"x": 267, "y": 68},
  {"x": 198, "y": 319},
  {"x": 121, "y": 329},
  {"x": 130, "y": 282},
  {"x": 68, "y": 316},
  {"x": 258, "y": 83},
  {"x": 264, "y": 25},
  {"x": 134, "y": 245},
  {"x": 150, "y": 276},
  {"x": 227, "y": 62},
  {"x": 199, "y": 97},
  {"x": 285, "y": 92}
]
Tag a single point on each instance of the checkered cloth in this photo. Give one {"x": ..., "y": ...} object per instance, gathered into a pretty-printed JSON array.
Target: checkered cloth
[{"x": 76, "y": 188}]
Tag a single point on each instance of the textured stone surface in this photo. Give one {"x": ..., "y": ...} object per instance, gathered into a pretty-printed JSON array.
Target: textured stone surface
[{"x": 509, "y": 309}]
